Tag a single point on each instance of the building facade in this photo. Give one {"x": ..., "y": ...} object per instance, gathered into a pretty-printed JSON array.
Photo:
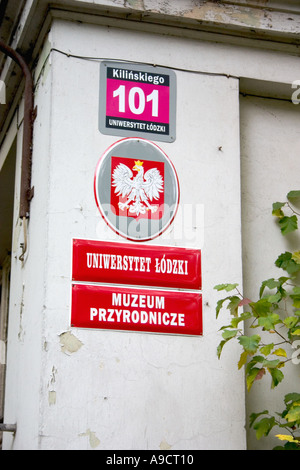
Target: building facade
[{"x": 232, "y": 144}]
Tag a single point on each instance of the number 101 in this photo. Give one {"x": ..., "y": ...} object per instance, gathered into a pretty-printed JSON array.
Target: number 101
[{"x": 136, "y": 100}]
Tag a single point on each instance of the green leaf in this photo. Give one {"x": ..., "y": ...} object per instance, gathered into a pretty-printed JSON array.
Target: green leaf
[
  {"x": 277, "y": 377},
  {"x": 271, "y": 364},
  {"x": 288, "y": 446},
  {"x": 288, "y": 224},
  {"x": 261, "y": 308},
  {"x": 220, "y": 305},
  {"x": 291, "y": 397},
  {"x": 269, "y": 322},
  {"x": 253, "y": 362},
  {"x": 251, "y": 376},
  {"x": 290, "y": 322},
  {"x": 283, "y": 280},
  {"x": 296, "y": 300},
  {"x": 296, "y": 297},
  {"x": 285, "y": 261},
  {"x": 280, "y": 352},
  {"x": 226, "y": 287},
  {"x": 243, "y": 359},
  {"x": 249, "y": 343},
  {"x": 293, "y": 195},
  {"x": 236, "y": 320},
  {"x": 265, "y": 363},
  {"x": 293, "y": 414},
  {"x": 220, "y": 347},
  {"x": 270, "y": 283},
  {"x": 276, "y": 209},
  {"x": 274, "y": 299},
  {"x": 266, "y": 350},
  {"x": 234, "y": 305},
  {"x": 264, "y": 426},
  {"x": 228, "y": 334},
  {"x": 253, "y": 417},
  {"x": 296, "y": 257}
]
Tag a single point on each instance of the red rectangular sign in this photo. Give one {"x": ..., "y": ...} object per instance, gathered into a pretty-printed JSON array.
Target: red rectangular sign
[
  {"x": 123, "y": 263},
  {"x": 144, "y": 310}
]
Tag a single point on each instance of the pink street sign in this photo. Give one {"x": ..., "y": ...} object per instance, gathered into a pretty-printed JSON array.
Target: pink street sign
[
  {"x": 148, "y": 102},
  {"x": 137, "y": 100}
]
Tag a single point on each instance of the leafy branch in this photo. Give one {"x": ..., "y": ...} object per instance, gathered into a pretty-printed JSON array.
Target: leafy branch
[
  {"x": 289, "y": 419},
  {"x": 276, "y": 312},
  {"x": 287, "y": 223}
]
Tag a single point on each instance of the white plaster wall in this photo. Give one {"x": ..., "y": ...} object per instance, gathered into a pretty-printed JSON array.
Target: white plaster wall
[
  {"x": 131, "y": 390},
  {"x": 107, "y": 389}
]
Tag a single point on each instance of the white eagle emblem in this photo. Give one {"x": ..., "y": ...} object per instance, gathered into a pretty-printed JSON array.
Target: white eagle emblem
[{"x": 139, "y": 190}]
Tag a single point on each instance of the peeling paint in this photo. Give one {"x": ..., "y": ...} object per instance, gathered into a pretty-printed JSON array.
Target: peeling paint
[
  {"x": 207, "y": 12},
  {"x": 135, "y": 4},
  {"x": 93, "y": 439},
  {"x": 52, "y": 397},
  {"x": 251, "y": 17},
  {"x": 53, "y": 375},
  {"x": 17, "y": 232},
  {"x": 164, "y": 445},
  {"x": 69, "y": 343}
]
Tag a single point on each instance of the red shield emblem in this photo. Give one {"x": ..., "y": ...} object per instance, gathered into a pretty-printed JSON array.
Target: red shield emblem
[{"x": 137, "y": 188}]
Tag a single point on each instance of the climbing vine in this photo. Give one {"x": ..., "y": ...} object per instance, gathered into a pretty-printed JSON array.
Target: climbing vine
[{"x": 275, "y": 318}]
